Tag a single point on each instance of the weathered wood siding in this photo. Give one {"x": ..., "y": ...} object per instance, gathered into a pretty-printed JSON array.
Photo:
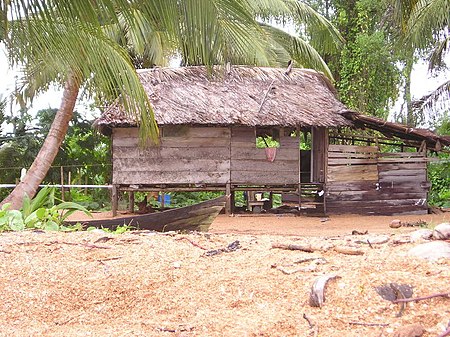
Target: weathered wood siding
[
  {"x": 403, "y": 181},
  {"x": 249, "y": 165},
  {"x": 319, "y": 153},
  {"x": 192, "y": 155},
  {"x": 363, "y": 181}
]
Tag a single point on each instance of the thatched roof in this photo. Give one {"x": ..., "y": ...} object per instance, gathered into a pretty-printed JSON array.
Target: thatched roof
[
  {"x": 242, "y": 96},
  {"x": 402, "y": 131}
]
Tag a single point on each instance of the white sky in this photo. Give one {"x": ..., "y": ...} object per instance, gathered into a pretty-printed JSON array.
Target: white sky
[{"x": 422, "y": 84}]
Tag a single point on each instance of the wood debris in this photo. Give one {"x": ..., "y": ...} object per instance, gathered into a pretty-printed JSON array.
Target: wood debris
[
  {"x": 317, "y": 295},
  {"x": 411, "y": 330},
  {"x": 417, "y": 299},
  {"x": 348, "y": 250},
  {"x": 303, "y": 248},
  {"x": 235, "y": 245},
  {"x": 191, "y": 242}
]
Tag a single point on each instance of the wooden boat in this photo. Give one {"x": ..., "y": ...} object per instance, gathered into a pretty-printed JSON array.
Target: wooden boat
[{"x": 196, "y": 217}]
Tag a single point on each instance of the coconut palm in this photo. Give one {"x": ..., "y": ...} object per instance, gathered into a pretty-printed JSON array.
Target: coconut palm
[
  {"x": 75, "y": 44},
  {"x": 426, "y": 27}
]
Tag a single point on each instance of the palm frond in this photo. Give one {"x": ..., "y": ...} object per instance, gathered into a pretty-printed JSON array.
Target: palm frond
[
  {"x": 323, "y": 35},
  {"x": 436, "y": 59},
  {"x": 299, "y": 50},
  {"x": 75, "y": 50},
  {"x": 428, "y": 19},
  {"x": 213, "y": 31},
  {"x": 439, "y": 99}
]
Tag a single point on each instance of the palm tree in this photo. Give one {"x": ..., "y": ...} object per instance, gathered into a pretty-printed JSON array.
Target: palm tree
[
  {"x": 62, "y": 42},
  {"x": 74, "y": 44},
  {"x": 426, "y": 27}
]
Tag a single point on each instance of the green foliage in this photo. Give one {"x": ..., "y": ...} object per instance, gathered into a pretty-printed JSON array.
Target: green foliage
[
  {"x": 39, "y": 213},
  {"x": 180, "y": 199},
  {"x": 439, "y": 172},
  {"x": 84, "y": 152},
  {"x": 367, "y": 70},
  {"x": 439, "y": 175},
  {"x": 368, "y": 75},
  {"x": 118, "y": 230},
  {"x": 266, "y": 141}
]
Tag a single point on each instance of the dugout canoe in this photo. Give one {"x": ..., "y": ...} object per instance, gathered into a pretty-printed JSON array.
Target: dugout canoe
[{"x": 196, "y": 217}]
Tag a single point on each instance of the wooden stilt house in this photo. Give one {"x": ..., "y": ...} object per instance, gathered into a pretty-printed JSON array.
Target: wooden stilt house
[{"x": 260, "y": 129}]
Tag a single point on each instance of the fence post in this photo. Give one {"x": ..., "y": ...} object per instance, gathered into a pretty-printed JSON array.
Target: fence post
[
  {"x": 62, "y": 182},
  {"x": 69, "y": 197},
  {"x": 114, "y": 201}
]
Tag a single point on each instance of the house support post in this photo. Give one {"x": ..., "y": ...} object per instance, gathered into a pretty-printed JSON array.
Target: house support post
[
  {"x": 131, "y": 202},
  {"x": 114, "y": 199},
  {"x": 228, "y": 205},
  {"x": 299, "y": 196}
]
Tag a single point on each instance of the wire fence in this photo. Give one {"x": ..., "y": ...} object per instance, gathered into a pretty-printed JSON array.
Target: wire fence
[{"x": 87, "y": 183}]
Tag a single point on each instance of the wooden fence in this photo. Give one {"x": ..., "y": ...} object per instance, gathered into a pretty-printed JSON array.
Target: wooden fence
[{"x": 361, "y": 180}]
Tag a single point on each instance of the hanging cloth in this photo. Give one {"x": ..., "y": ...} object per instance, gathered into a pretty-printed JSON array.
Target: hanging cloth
[{"x": 271, "y": 153}]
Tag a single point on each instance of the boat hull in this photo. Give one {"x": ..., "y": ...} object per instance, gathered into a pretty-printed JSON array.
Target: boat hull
[{"x": 196, "y": 217}]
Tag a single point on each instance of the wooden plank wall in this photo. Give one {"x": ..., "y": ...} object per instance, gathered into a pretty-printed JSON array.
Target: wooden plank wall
[
  {"x": 363, "y": 181},
  {"x": 190, "y": 155},
  {"x": 249, "y": 165},
  {"x": 319, "y": 149},
  {"x": 403, "y": 181}
]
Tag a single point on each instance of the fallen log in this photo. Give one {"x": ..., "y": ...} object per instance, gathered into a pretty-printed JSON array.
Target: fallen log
[
  {"x": 303, "y": 248},
  {"x": 348, "y": 250}
]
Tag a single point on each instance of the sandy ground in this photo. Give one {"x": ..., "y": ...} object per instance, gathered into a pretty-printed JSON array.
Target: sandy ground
[
  {"x": 314, "y": 226},
  {"x": 146, "y": 284},
  {"x": 301, "y": 225}
]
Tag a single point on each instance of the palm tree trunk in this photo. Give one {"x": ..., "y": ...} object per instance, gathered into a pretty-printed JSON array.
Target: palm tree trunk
[
  {"x": 407, "y": 71},
  {"x": 43, "y": 161}
]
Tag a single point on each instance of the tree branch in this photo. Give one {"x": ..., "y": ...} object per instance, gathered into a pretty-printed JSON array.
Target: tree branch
[{"x": 402, "y": 300}]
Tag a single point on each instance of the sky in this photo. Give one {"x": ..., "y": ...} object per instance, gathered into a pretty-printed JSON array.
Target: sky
[{"x": 422, "y": 84}]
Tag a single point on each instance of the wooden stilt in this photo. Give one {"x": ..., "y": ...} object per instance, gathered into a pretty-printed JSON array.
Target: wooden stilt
[
  {"x": 232, "y": 199},
  {"x": 299, "y": 196},
  {"x": 114, "y": 199},
  {"x": 228, "y": 206},
  {"x": 131, "y": 202}
]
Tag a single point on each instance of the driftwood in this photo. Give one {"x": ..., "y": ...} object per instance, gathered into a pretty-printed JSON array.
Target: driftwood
[
  {"x": 110, "y": 259},
  {"x": 348, "y": 251},
  {"x": 368, "y": 324},
  {"x": 317, "y": 295},
  {"x": 311, "y": 267},
  {"x": 312, "y": 326},
  {"x": 180, "y": 328},
  {"x": 403, "y": 300},
  {"x": 103, "y": 239},
  {"x": 191, "y": 242},
  {"x": 235, "y": 245},
  {"x": 303, "y": 248}
]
